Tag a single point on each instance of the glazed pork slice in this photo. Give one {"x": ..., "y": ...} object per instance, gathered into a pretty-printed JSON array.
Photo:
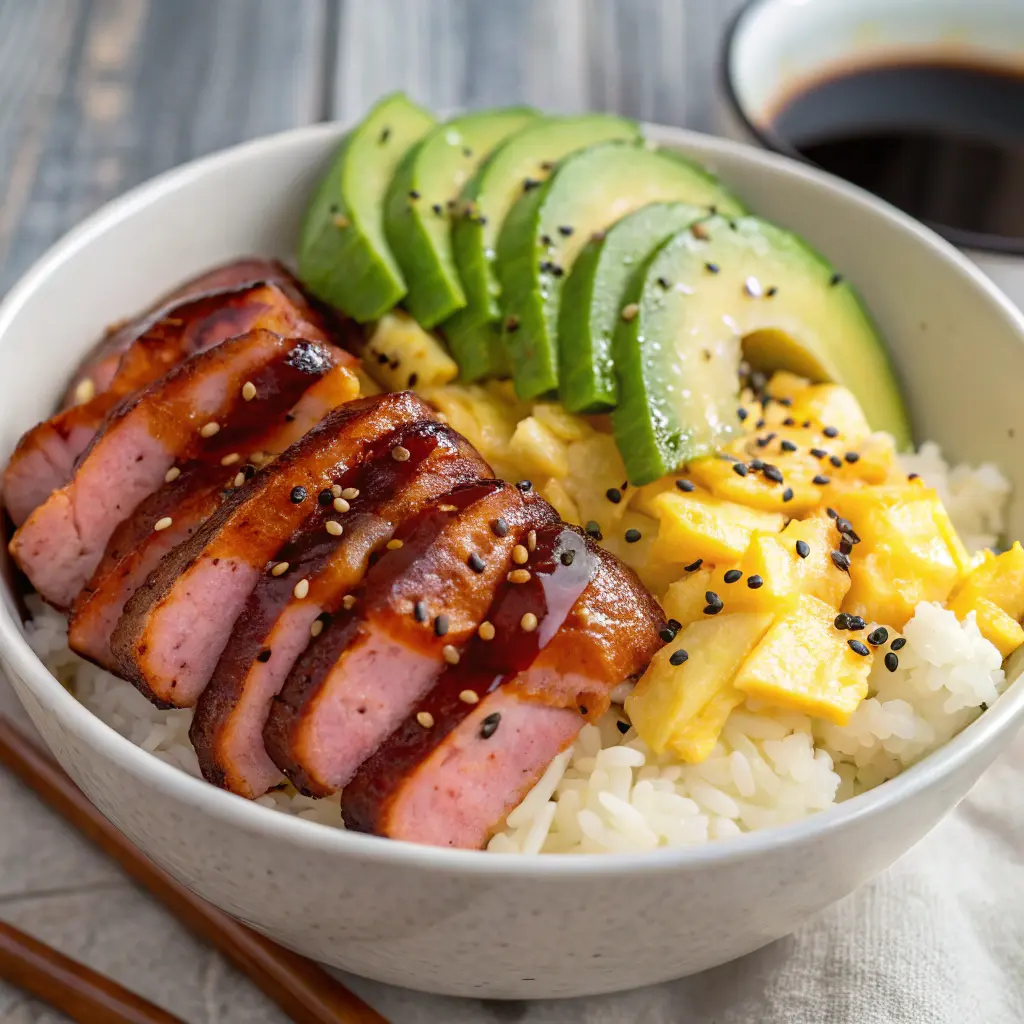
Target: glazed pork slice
[
  {"x": 176, "y": 625},
  {"x": 198, "y": 410},
  {"x": 186, "y": 501},
  {"x": 99, "y": 366},
  {"x": 275, "y": 626},
  {"x": 477, "y": 742},
  {"x": 45, "y": 456},
  {"x": 417, "y": 607}
]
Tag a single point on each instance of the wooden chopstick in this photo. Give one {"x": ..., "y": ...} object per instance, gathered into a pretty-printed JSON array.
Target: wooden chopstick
[
  {"x": 303, "y": 990},
  {"x": 71, "y": 987}
]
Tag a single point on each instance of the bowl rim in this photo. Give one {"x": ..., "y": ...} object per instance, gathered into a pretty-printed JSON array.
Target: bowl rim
[{"x": 20, "y": 660}]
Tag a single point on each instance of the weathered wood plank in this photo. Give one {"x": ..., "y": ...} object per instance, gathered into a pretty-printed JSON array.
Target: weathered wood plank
[
  {"x": 138, "y": 86},
  {"x": 651, "y": 59}
]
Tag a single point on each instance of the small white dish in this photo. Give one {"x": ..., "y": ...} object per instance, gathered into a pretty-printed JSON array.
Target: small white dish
[
  {"x": 776, "y": 47},
  {"x": 469, "y": 923}
]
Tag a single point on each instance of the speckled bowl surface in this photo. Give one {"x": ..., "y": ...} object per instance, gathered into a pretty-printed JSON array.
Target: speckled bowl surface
[{"x": 470, "y": 923}]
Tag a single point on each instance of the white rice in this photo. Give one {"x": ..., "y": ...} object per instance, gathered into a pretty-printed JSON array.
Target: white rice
[{"x": 609, "y": 793}]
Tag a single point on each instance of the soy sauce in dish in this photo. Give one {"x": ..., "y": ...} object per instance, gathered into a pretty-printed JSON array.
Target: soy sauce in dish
[{"x": 943, "y": 141}]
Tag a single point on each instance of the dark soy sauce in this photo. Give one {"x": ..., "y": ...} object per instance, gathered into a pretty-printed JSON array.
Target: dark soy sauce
[{"x": 942, "y": 141}]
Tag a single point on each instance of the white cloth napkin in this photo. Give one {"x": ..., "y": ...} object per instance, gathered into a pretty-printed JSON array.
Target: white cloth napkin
[{"x": 938, "y": 939}]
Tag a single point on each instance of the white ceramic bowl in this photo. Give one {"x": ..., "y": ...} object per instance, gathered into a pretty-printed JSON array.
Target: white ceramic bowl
[{"x": 470, "y": 923}]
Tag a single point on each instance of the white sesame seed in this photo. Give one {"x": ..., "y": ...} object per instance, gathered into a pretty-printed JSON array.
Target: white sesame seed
[
  {"x": 280, "y": 569},
  {"x": 209, "y": 429},
  {"x": 753, "y": 288},
  {"x": 531, "y": 540},
  {"x": 334, "y": 528},
  {"x": 400, "y": 454},
  {"x": 394, "y": 545},
  {"x": 341, "y": 505},
  {"x": 171, "y": 475},
  {"x": 629, "y": 312},
  {"x": 528, "y": 622},
  {"x": 248, "y": 391},
  {"x": 301, "y": 589},
  {"x": 349, "y": 493},
  {"x": 162, "y": 524},
  {"x": 258, "y": 458},
  {"x": 348, "y": 601},
  {"x": 230, "y": 460},
  {"x": 316, "y": 628},
  {"x": 239, "y": 479},
  {"x": 519, "y": 576},
  {"x": 85, "y": 390},
  {"x": 426, "y": 719},
  {"x": 337, "y": 492},
  {"x": 469, "y": 697},
  {"x": 520, "y": 555},
  {"x": 451, "y": 655},
  {"x": 485, "y": 630}
]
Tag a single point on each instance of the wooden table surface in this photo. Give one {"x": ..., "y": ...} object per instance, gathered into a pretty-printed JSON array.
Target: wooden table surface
[{"x": 98, "y": 95}]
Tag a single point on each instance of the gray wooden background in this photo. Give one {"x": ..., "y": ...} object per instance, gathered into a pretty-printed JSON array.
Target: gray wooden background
[{"x": 98, "y": 95}]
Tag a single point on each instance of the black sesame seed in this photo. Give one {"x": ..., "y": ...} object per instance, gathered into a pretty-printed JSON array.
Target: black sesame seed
[
  {"x": 565, "y": 229},
  {"x": 438, "y": 209},
  {"x": 583, "y": 709},
  {"x": 467, "y": 152},
  {"x": 593, "y": 529},
  {"x": 614, "y": 495},
  {"x": 856, "y": 623},
  {"x": 413, "y": 380},
  {"x": 787, "y": 402},
  {"x": 841, "y": 561},
  {"x": 264, "y": 655},
  {"x": 773, "y": 473},
  {"x": 667, "y": 634},
  {"x": 787, "y": 494},
  {"x": 382, "y": 358},
  {"x": 385, "y": 134},
  {"x": 789, "y": 422},
  {"x": 759, "y": 424},
  {"x": 414, "y": 194},
  {"x": 899, "y": 643},
  {"x": 512, "y": 324},
  {"x": 913, "y": 476},
  {"x": 623, "y": 727},
  {"x": 711, "y": 268},
  {"x": 476, "y": 563},
  {"x": 858, "y": 648},
  {"x": 820, "y": 480},
  {"x": 545, "y": 266},
  {"x": 686, "y": 486},
  {"x": 755, "y": 582},
  {"x": 852, "y": 457},
  {"x": 325, "y": 498},
  {"x": 805, "y": 424},
  {"x": 803, "y": 549},
  {"x": 841, "y": 621},
  {"x": 831, "y": 513},
  {"x": 530, "y": 183},
  {"x": 732, "y": 576},
  {"x": 836, "y": 461},
  {"x": 489, "y": 726},
  {"x": 693, "y": 566},
  {"x": 298, "y": 495},
  {"x": 742, "y": 413},
  {"x": 835, "y": 279},
  {"x": 441, "y": 625},
  {"x": 546, "y": 240},
  {"x": 845, "y": 545},
  {"x": 678, "y": 657},
  {"x": 557, "y": 270},
  {"x": 419, "y": 611},
  {"x": 892, "y": 662},
  {"x": 843, "y": 525},
  {"x": 713, "y": 600},
  {"x": 712, "y": 609},
  {"x": 772, "y": 291},
  {"x": 787, "y": 446},
  {"x": 664, "y": 282},
  {"x": 499, "y": 528},
  {"x": 739, "y": 469},
  {"x": 756, "y": 465},
  {"x": 763, "y": 442},
  {"x": 632, "y": 536},
  {"x": 819, "y": 453},
  {"x": 568, "y": 557},
  {"x": 249, "y": 472},
  {"x": 524, "y": 485},
  {"x": 879, "y": 636},
  {"x": 831, "y": 431}
]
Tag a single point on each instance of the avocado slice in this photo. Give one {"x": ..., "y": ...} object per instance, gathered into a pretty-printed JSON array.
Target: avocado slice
[
  {"x": 711, "y": 294},
  {"x": 344, "y": 257},
  {"x": 548, "y": 226},
  {"x": 592, "y": 301},
  {"x": 421, "y": 199},
  {"x": 474, "y": 333}
]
